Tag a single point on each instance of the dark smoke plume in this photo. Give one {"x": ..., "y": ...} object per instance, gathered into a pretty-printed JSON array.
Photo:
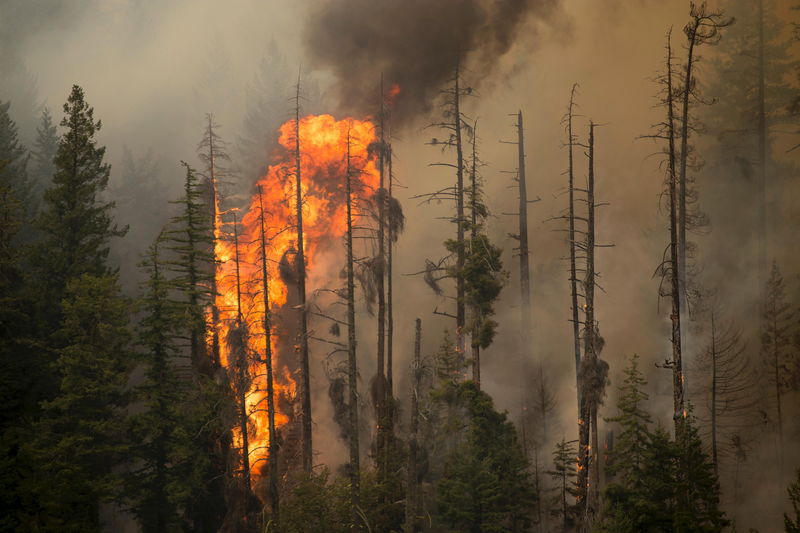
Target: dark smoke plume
[{"x": 413, "y": 43}]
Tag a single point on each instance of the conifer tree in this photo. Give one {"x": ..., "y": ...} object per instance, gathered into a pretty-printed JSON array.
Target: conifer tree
[
  {"x": 776, "y": 349},
  {"x": 563, "y": 474},
  {"x": 79, "y": 442},
  {"x": 792, "y": 525},
  {"x": 15, "y": 170},
  {"x": 43, "y": 155},
  {"x": 76, "y": 221}
]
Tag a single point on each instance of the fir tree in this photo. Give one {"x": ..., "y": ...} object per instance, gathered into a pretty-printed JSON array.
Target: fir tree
[
  {"x": 14, "y": 173},
  {"x": 564, "y": 474},
  {"x": 79, "y": 441},
  {"x": 76, "y": 222},
  {"x": 43, "y": 155},
  {"x": 792, "y": 525}
]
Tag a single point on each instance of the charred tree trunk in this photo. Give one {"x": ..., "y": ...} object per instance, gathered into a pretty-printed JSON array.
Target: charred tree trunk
[
  {"x": 762, "y": 155},
  {"x": 524, "y": 259},
  {"x": 688, "y": 81},
  {"x": 460, "y": 258},
  {"x": 301, "y": 289},
  {"x": 242, "y": 372},
  {"x": 714, "y": 456},
  {"x": 413, "y": 500},
  {"x": 274, "y": 495},
  {"x": 389, "y": 301},
  {"x": 380, "y": 378},
  {"x": 212, "y": 176},
  {"x": 590, "y": 341},
  {"x": 477, "y": 318},
  {"x": 674, "y": 277},
  {"x": 352, "y": 368}
]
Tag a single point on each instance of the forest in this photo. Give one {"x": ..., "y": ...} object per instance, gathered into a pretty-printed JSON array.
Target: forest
[{"x": 479, "y": 266}]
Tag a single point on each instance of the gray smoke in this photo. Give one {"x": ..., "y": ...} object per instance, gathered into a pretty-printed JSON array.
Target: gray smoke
[{"x": 415, "y": 44}]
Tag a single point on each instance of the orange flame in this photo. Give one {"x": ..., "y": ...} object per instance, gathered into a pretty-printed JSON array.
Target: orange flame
[{"x": 323, "y": 142}]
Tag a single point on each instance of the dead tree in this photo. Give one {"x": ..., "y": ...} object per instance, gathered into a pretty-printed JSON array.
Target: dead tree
[
  {"x": 594, "y": 371},
  {"x": 274, "y": 495},
  {"x": 300, "y": 262},
  {"x": 762, "y": 154},
  {"x": 776, "y": 349},
  {"x": 413, "y": 496},
  {"x": 380, "y": 282},
  {"x": 524, "y": 257},
  {"x": 352, "y": 367},
  {"x": 731, "y": 400},
  {"x": 454, "y": 125},
  {"x": 703, "y": 28},
  {"x": 213, "y": 153}
]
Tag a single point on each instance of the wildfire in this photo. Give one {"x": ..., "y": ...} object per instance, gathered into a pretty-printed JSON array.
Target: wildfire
[{"x": 323, "y": 145}]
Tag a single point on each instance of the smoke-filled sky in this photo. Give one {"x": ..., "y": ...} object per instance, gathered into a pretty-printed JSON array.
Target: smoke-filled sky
[{"x": 153, "y": 69}]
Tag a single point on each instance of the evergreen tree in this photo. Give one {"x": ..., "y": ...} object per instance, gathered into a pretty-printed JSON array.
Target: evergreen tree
[
  {"x": 43, "y": 155},
  {"x": 776, "y": 348},
  {"x": 17, "y": 372},
  {"x": 14, "y": 172},
  {"x": 76, "y": 222},
  {"x": 79, "y": 441},
  {"x": 564, "y": 474},
  {"x": 188, "y": 245},
  {"x": 486, "y": 486},
  {"x": 789, "y": 524},
  {"x": 158, "y": 486}
]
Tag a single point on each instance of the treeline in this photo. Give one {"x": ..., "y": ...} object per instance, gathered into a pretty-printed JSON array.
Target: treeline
[{"x": 113, "y": 405}]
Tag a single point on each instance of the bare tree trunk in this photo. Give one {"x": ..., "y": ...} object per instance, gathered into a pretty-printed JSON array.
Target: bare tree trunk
[
  {"x": 674, "y": 268},
  {"x": 301, "y": 288},
  {"x": 714, "y": 456},
  {"x": 242, "y": 378},
  {"x": 274, "y": 495},
  {"x": 413, "y": 500},
  {"x": 573, "y": 281},
  {"x": 590, "y": 348},
  {"x": 380, "y": 383},
  {"x": 524, "y": 267},
  {"x": 389, "y": 295},
  {"x": 460, "y": 259},
  {"x": 212, "y": 175},
  {"x": 352, "y": 368},
  {"x": 762, "y": 156},
  {"x": 477, "y": 319},
  {"x": 682, "y": 185}
]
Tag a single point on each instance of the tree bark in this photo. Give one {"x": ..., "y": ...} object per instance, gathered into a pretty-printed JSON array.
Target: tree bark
[
  {"x": 352, "y": 368},
  {"x": 524, "y": 258},
  {"x": 301, "y": 288},
  {"x": 273, "y": 494}
]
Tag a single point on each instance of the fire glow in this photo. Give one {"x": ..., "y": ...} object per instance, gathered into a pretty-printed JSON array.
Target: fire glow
[{"x": 323, "y": 145}]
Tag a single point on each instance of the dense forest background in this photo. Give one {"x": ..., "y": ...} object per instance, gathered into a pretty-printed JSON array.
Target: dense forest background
[{"x": 113, "y": 420}]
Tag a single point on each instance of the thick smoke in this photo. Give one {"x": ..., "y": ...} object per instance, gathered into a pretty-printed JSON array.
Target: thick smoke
[{"x": 415, "y": 44}]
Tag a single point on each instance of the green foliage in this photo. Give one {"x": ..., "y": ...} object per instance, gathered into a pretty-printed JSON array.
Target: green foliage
[
  {"x": 166, "y": 478},
  {"x": 43, "y": 155},
  {"x": 485, "y": 485},
  {"x": 483, "y": 280},
  {"x": 657, "y": 484},
  {"x": 76, "y": 223},
  {"x": 563, "y": 474},
  {"x": 189, "y": 241},
  {"x": 79, "y": 440},
  {"x": 316, "y": 504},
  {"x": 14, "y": 171},
  {"x": 789, "y": 524}
]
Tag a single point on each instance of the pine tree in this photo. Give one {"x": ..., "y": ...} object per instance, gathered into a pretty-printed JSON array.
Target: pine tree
[
  {"x": 76, "y": 222},
  {"x": 14, "y": 172},
  {"x": 486, "y": 486},
  {"x": 43, "y": 155},
  {"x": 792, "y": 525},
  {"x": 79, "y": 442},
  {"x": 776, "y": 348},
  {"x": 564, "y": 474}
]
